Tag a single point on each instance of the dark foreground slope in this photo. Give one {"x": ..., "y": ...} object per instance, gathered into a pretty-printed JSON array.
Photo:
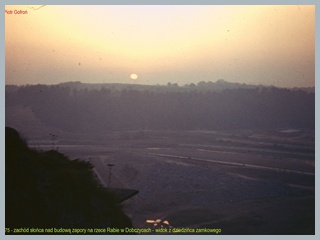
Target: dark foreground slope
[{"x": 46, "y": 190}]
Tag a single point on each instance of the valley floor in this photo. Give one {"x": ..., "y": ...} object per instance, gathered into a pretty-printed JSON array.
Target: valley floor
[{"x": 242, "y": 182}]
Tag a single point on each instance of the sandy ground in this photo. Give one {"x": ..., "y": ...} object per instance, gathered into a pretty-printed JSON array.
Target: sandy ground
[
  {"x": 237, "y": 200},
  {"x": 184, "y": 180}
]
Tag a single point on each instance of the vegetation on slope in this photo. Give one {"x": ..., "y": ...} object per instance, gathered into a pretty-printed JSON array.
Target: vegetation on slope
[
  {"x": 47, "y": 189},
  {"x": 173, "y": 108}
]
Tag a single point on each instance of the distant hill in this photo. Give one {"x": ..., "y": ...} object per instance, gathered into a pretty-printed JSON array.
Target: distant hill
[
  {"x": 219, "y": 85},
  {"x": 306, "y": 89},
  {"x": 97, "y": 108}
]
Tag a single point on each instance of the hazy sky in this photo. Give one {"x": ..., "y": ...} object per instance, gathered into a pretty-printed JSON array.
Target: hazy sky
[{"x": 271, "y": 45}]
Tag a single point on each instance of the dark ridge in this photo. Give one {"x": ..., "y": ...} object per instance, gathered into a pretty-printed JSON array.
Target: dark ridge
[
  {"x": 48, "y": 190},
  {"x": 82, "y": 110}
]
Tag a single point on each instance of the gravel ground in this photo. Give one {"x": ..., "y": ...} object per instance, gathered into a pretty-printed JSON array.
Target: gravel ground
[
  {"x": 189, "y": 193},
  {"x": 169, "y": 188}
]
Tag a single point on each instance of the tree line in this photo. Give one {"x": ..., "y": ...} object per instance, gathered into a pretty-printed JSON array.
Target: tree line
[{"x": 104, "y": 109}]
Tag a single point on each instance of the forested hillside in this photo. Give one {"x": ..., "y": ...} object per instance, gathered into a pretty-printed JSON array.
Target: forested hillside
[{"x": 77, "y": 109}]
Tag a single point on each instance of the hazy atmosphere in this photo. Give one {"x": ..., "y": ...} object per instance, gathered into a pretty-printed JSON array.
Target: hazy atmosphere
[
  {"x": 269, "y": 45},
  {"x": 160, "y": 120}
]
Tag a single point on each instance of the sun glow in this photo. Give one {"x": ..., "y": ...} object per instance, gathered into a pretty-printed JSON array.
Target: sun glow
[
  {"x": 134, "y": 76},
  {"x": 163, "y": 43}
]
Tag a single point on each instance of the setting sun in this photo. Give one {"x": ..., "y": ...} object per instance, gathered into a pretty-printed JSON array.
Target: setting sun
[
  {"x": 133, "y": 76},
  {"x": 257, "y": 44}
]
